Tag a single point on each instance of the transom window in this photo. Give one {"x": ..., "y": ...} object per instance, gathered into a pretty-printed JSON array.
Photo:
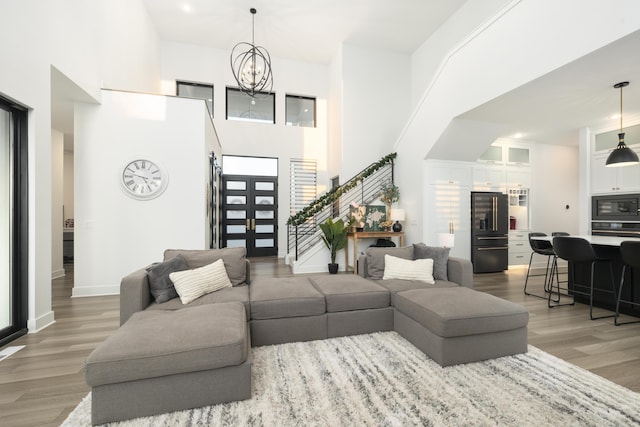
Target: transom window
[
  {"x": 300, "y": 111},
  {"x": 241, "y": 106},
  {"x": 197, "y": 91}
]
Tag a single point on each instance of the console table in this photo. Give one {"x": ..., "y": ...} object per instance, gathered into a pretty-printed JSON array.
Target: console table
[{"x": 359, "y": 235}]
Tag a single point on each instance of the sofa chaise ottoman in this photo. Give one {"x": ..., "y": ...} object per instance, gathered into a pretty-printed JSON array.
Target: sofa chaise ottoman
[
  {"x": 286, "y": 310},
  {"x": 163, "y": 361},
  {"x": 460, "y": 325},
  {"x": 354, "y": 305}
]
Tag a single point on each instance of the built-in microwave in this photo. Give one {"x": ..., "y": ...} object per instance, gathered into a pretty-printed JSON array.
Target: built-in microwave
[{"x": 618, "y": 207}]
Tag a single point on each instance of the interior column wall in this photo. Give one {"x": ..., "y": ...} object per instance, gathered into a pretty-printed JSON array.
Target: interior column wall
[{"x": 57, "y": 197}]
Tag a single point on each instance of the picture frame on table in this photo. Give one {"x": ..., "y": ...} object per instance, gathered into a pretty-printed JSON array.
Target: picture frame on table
[{"x": 374, "y": 215}]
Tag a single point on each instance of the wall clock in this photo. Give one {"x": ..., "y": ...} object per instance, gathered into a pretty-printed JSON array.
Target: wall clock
[{"x": 143, "y": 179}]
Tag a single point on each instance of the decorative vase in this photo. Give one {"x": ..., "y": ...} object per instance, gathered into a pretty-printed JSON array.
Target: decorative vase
[
  {"x": 333, "y": 268},
  {"x": 397, "y": 227}
]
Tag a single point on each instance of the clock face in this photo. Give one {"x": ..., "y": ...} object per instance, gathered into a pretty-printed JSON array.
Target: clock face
[{"x": 143, "y": 179}]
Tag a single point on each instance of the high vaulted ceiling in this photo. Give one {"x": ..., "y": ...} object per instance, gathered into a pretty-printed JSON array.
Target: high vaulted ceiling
[
  {"x": 307, "y": 30},
  {"x": 549, "y": 109}
]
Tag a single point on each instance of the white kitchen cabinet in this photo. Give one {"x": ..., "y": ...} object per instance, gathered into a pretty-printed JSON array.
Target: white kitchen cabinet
[
  {"x": 605, "y": 179},
  {"x": 452, "y": 173},
  {"x": 518, "y": 154},
  {"x": 519, "y": 248},
  {"x": 489, "y": 177},
  {"x": 518, "y": 177},
  {"x": 447, "y": 203},
  {"x": 506, "y": 151}
]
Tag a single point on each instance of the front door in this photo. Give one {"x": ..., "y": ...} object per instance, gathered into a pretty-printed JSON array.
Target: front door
[{"x": 250, "y": 214}]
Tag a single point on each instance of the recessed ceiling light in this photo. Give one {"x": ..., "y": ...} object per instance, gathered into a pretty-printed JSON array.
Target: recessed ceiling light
[
  {"x": 186, "y": 7},
  {"x": 518, "y": 135},
  {"x": 615, "y": 116}
]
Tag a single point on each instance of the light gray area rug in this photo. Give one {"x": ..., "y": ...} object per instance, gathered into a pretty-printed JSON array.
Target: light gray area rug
[{"x": 382, "y": 380}]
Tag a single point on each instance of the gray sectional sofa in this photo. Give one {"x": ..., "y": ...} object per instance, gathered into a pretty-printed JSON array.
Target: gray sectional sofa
[{"x": 173, "y": 356}]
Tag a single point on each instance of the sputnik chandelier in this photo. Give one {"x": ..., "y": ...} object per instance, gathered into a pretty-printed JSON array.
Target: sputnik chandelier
[{"x": 251, "y": 66}]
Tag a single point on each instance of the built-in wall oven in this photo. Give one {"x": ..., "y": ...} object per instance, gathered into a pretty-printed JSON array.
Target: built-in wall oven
[
  {"x": 619, "y": 207},
  {"x": 616, "y": 215}
]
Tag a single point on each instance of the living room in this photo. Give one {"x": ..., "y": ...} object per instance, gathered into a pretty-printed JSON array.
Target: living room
[{"x": 354, "y": 127}]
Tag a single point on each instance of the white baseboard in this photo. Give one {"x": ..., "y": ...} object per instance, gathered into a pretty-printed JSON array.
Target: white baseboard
[
  {"x": 56, "y": 274},
  {"x": 95, "y": 291},
  {"x": 36, "y": 325}
]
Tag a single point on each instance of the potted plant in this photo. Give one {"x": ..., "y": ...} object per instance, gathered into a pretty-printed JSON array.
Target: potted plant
[
  {"x": 390, "y": 193},
  {"x": 334, "y": 236}
]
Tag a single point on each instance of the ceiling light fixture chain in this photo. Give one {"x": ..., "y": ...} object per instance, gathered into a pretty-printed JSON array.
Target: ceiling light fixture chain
[
  {"x": 251, "y": 66},
  {"x": 622, "y": 155}
]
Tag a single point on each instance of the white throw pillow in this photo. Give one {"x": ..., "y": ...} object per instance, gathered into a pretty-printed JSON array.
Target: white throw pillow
[
  {"x": 398, "y": 268},
  {"x": 192, "y": 284}
]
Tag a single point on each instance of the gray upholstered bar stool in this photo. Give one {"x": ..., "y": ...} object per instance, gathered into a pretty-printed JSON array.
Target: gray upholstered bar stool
[
  {"x": 544, "y": 248},
  {"x": 630, "y": 252},
  {"x": 579, "y": 250}
]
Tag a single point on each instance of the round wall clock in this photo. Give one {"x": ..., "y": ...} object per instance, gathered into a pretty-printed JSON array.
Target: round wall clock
[{"x": 143, "y": 179}]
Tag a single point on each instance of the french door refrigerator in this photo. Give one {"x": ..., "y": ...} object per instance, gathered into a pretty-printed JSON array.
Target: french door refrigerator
[{"x": 489, "y": 231}]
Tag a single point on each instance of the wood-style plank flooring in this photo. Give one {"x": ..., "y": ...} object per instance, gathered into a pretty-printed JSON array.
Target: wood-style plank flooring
[{"x": 42, "y": 383}]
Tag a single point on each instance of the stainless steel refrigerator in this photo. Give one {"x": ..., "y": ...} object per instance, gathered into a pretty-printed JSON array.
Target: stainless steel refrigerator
[{"x": 489, "y": 231}]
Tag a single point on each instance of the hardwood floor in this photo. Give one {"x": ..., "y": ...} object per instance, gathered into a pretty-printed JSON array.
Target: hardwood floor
[{"x": 43, "y": 382}]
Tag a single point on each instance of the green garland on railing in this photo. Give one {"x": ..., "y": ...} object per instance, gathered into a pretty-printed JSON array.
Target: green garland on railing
[{"x": 327, "y": 198}]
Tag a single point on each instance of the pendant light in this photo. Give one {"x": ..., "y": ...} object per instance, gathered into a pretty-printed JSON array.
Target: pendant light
[
  {"x": 622, "y": 155},
  {"x": 251, "y": 66}
]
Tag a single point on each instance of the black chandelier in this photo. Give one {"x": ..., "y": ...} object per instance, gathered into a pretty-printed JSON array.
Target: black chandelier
[
  {"x": 621, "y": 155},
  {"x": 251, "y": 66}
]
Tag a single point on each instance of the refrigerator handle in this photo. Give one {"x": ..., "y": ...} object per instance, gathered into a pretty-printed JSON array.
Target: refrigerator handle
[{"x": 494, "y": 225}]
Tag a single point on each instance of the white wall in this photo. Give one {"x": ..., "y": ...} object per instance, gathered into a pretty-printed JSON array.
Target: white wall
[
  {"x": 512, "y": 39},
  {"x": 57, "y": 197},
  {"x": 427, "y": 60},
  {"x": 115, "y": 234},
  {"x": 376, "y": 95},
  {"x": 68, "y": 196},
  {"x": 131, "y": 57},
  {"x": 555, "y": 184}
]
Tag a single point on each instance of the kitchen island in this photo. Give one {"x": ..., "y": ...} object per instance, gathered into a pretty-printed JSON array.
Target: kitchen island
[{"x": 606, "y": 247}]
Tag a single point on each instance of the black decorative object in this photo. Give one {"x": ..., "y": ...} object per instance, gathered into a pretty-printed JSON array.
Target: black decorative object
[
  {"x": 251, "y": 66},
  {"x": 622, "y": 155}
]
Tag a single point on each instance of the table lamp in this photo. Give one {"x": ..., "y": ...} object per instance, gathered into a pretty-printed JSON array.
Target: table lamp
[
  {"x": 446, "y": 240},
  {"x": 397, "y": 215}
]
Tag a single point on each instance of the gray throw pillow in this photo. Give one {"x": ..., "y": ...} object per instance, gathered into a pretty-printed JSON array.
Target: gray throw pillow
[
  {"x": 440, "y": 258},
  {"x": 234, "y": 260},
  {"x": 375, "y": 259},
  {"x": 160, "y": 285}
]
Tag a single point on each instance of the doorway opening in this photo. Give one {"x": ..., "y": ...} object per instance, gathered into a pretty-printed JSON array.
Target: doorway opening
[{"x": 249, "y": 205}]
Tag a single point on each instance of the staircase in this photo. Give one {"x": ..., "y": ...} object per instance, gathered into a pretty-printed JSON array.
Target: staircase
[{"x": 303, "y": 231}]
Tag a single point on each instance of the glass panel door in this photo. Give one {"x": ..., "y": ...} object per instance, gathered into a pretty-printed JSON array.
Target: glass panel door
[
  {"x": 249, "y": 214},
  {"x": 13, "y": 221},
  {"x": 6, "y": 308}
]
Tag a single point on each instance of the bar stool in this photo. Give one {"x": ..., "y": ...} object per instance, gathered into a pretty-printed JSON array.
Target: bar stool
[
  {"x": 559, "y": 233},
  {"x": 579, "y": 250},
  {"x": 630, "y": 252},
  {"x": 544, "y": 248}
]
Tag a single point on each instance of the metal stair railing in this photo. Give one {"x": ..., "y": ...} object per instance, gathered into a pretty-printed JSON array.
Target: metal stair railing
[{"x": 362, "y": 189}]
